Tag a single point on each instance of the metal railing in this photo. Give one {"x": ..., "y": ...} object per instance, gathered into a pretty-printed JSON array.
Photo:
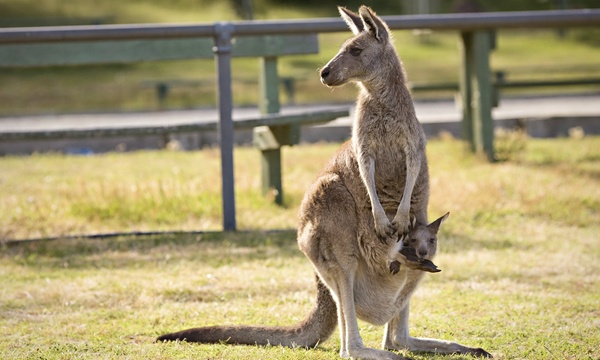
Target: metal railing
[
  {"x": 454, "y": 22},
  {"x": 223, "y": 33}
]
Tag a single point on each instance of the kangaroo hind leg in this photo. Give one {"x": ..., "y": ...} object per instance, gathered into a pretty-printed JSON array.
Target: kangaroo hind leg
[{"x": 351, "y": 343}]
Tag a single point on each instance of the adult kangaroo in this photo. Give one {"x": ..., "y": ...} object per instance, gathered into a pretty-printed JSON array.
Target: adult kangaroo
[{"x": 363, "y": 195}]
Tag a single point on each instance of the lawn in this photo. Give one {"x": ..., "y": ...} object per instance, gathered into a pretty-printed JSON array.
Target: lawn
[{"x": 519, "y": 254}]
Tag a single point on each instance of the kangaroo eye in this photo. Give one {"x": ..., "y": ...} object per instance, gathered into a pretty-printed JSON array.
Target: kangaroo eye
[
  {"x": 413, "y": 241},
  {"x": 354, "y": 51},
  {"x": 432, "y": 241}
]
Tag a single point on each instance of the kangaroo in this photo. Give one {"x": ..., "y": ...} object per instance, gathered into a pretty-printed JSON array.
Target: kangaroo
[{"x": 351, "y": 210}]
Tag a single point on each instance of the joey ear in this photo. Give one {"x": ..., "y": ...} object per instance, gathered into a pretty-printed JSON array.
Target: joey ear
[
  {"x": 435, "y": 226},
  {"x": 352, "y": 19},
  {"x": 373, "y": 24}
]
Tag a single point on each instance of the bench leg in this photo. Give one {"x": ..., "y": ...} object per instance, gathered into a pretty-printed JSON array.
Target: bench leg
[
  {"x": 271, "y": 152},
  {"x": 271, "y": 174}
]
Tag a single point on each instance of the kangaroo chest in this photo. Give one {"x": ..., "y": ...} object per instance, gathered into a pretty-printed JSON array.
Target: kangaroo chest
[{"x": 388, "y": 154}]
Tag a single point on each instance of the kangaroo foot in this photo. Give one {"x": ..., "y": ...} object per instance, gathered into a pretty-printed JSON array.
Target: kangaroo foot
[{"x": 375, "y": 354}]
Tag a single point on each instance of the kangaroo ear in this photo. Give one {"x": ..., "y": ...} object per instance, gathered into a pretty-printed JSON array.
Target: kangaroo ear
[
  {"x": 373, "y": 24},
  {"x": 352, "y": 19},
  {"x": 435, "y": 226}
]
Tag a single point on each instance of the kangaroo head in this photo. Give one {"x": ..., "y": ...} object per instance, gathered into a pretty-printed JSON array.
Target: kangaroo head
[
  {"x": 360, "y": 56},
  {"x": 423, "y": 238}
]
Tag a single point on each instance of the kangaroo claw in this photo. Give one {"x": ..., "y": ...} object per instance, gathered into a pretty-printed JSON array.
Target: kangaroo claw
[
  {"x": 413, "y": 222},
  {"x": 389, "y": 231},
  {"x": 402, "y": 237}
]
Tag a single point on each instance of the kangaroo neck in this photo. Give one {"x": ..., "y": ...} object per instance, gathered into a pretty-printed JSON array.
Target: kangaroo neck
[{"x": 388, "y": 89}]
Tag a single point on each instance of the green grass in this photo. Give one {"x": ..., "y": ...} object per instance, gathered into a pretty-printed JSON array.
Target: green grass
[
  {"x": 519, "y": 254},
  {"x": 47, "y": 195}
]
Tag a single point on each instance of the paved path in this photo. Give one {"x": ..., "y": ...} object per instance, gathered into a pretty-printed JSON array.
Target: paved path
[{"x": 427, "y": 111}]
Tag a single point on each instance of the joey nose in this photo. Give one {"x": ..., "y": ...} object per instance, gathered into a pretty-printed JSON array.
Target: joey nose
[
  {"x": 422, "y": 252},
  {"x": 325, "y": 73}
]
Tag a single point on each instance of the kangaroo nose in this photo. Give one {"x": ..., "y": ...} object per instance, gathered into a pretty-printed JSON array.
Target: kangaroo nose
[
  {"x": 422, "y": 252},
  {"x": 325, "y": 73}
]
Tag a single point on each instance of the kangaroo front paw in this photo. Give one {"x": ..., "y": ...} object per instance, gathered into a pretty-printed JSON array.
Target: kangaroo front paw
[
  {"x": 402, "y": 224},
  {"x": 384, "y": 228}
]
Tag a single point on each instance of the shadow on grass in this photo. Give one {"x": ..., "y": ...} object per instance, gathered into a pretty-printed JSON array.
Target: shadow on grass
[{"x": 121, "y": 250}]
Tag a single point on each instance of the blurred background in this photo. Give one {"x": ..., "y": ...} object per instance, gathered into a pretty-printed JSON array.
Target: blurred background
[{"x": 430, "y": 57}]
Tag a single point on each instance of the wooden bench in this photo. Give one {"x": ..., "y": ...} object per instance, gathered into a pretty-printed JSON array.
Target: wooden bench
[{"x": 272, "y": 130}]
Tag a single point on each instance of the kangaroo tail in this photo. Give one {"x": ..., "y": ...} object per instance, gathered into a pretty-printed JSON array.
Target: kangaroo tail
[{"x": 316, "y": 328}]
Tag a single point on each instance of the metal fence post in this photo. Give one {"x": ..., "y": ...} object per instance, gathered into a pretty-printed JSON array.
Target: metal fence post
[{"x": 222, "y": 49}]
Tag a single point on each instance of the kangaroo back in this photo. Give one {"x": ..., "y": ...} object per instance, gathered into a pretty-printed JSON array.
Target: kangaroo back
[{"x": 316, "y": 328}]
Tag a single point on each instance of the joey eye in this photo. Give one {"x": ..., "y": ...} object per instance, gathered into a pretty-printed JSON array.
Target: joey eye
[
  {"x": 413, "y": 241},
  {"x": 354, "y": 51},
  {"x": 432, "y": 241}
]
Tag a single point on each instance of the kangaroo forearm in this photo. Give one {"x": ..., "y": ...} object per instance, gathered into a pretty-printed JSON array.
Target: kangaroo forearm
[
  {"x": 412, "y": 172},
  {"x": 366, "y": 167}
]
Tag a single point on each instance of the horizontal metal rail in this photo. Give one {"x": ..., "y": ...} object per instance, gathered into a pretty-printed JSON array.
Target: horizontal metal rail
[{"x": 458, "y": 22}]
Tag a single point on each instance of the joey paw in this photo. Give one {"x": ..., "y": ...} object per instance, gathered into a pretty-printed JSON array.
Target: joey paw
[{"x": 394, "y": 267}]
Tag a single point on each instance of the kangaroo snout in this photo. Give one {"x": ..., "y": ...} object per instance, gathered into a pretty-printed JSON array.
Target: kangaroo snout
[{"x": 325, "y": 73}]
